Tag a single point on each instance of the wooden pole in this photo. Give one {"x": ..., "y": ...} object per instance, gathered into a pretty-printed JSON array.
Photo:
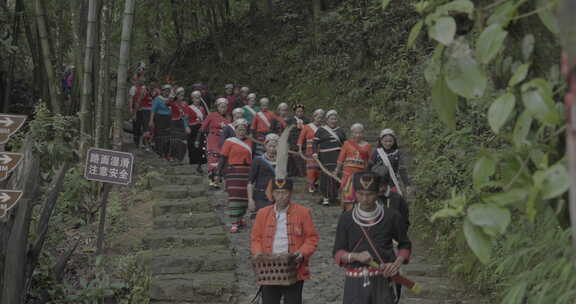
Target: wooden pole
[{"x": 102, "y": 225}]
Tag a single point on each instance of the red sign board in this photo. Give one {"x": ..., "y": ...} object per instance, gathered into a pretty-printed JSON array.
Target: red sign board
[
  {"x": 10, "y": 124},
  {"x": 8, "y": 198},
  {"x": 9, "y": 162}
]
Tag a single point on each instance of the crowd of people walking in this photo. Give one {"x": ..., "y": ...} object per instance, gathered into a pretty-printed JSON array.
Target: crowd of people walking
[{"x": 240, "y": 138}]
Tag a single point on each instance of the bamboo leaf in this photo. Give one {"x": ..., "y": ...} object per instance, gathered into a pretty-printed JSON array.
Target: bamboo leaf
[
  {"x": 445, "y": 103},
  {"x": 522, "y": 128},
  {"x": 478, "y": 241},
  {"x": 463, "y": 75},
  {"x": 443, "y": 30},
  {"x": 537, "y": 98},
  {"x": 528, "y": 46},
  {"x": 493, "y": 219},
  {"x": 484, "y": 168},
  {"x": 503, "y": 14},
  {"x": 519, "y": 75},
  {"x": 556, "y": 181},
  {"x": 414, "y": 33},
  {"x": 510, "y": 197},
  {"x": 385, "y": 4},
  {"x": 546, "y": 13},
  {"x": 500, "y": 110},
  {"x": 516, "y": 294},
  {"x": 490, "y": 43}
]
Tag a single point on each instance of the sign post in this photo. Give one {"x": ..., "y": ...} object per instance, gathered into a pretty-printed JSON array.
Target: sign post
[
  {"x": 109, "y": 167},
  {"x": 9, "y": 124},
  {"x": 8, "y": 199}
]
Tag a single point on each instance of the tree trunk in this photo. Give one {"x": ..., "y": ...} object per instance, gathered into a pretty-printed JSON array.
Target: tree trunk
[
  {"x": 127, "y": 22},
  {"x": 177, "y": 24},
  {"x": 87, "y": 80},
  {"x": 79, "y": 21},
  {"x": 103, "y": 97},
  {"x": 19, "y": 11},
  {"x": 49, "y": 69},
  {"x": 316, "y": 11}
]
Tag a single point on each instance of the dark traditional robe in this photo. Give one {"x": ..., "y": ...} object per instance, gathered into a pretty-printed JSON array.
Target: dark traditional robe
[
  {"x": 328, "y": 148},
  {"x": 350, "y": 238}
]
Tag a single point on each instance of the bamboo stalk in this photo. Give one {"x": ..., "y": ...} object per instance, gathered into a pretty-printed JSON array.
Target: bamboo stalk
[
  {"x": 49, "y": 69},
  {"x": 127, "y": 23}
]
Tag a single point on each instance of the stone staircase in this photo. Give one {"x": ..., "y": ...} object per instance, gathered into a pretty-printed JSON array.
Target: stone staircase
[{"x": 188, "y": 253}]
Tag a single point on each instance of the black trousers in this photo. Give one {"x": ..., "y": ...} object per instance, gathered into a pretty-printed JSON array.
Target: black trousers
[{"x": 271, "y": 294}]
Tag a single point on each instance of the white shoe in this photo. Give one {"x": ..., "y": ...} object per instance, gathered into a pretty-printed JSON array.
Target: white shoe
[{"x": 325, "y": 202}]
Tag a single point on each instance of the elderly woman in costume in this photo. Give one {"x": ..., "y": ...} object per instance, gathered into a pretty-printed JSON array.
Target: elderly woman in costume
[
  {"x": 179, "y": 128},
  {"x": 160, "y": 121},
  {"x": 250, "y": 109},
  {"x": 353, "y": 158},
  {"x": 229, "y": 95},
  {"x": 195, "y": 113},
  {"x": 261, "y": 173},
  {"x": 279, "y": 124},
  {"x": 236, "y": 161},
  {"x": 213, "y": 125},
  {"x": 327, "y": 145},
  {"x": 262, "y": 124},
  {"x": 230, "y": 129},
  {"x": 296, "y": 164},
  {"x": 364, "y": 246},
  {"x": 305, "y": 147},
  {"x": 389, "y": 160}
]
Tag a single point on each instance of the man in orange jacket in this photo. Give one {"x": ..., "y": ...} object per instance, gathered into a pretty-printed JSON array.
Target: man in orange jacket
[{"x": 280, "y": 228}]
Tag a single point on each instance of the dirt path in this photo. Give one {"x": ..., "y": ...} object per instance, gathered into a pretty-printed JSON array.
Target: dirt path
[{"x": 327, "y": 281}]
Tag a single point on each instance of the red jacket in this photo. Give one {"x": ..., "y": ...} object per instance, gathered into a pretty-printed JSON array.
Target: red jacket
[{"x": 302, "y": 235}]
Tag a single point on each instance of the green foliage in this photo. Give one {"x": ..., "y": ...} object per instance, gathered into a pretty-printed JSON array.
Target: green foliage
[
  {"x": 55, "y": 136},
  {"x": 95, "y": 290},
  {"x": 79, "y": 200}
]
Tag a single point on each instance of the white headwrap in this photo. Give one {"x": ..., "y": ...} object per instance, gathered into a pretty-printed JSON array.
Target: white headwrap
[
  {"x": 238, "y": 110},
  {"x": 220, "y": 101},
  {"x": 318, "y": 112},
  {"x": 180, "y": 90},
  {"x": 387, "y": 132},
  {"x": 283, "y": 106},
  {"x": 166, "y": 87},
  {"x": 331, "y": 112},
  {"x": 358, "y": 126},
  {"x": 264, "y": 100},
  {"x": 271, "y": 137},
  {"x": 240, "y": 122},
  {"x": 229, "y": 86},
  {"x": 251, "y": 95},
  {"x": 196, "y": 94}
]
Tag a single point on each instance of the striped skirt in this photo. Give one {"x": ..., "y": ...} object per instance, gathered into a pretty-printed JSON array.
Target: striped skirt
[{"x": 236, "y": 183}]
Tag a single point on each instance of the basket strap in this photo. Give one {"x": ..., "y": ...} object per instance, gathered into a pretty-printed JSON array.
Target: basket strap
[{"x": 258, "y": 295}]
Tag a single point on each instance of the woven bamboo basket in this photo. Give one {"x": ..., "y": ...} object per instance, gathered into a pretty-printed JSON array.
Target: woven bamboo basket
[{"x": 276, "y": 269}]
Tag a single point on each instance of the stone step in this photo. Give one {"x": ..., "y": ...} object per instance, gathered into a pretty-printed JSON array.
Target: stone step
[
  {"x": 178, "y": 238},
  {"x": 180, "y": 179},
  {"x": 182, "y": 206},
  {"x": 188, "y": 260},
  {"x": 213, "y": 288},
  {"x": 185, "y": 221},
  {"x": 433, "y": 287},
  {"x": 181, "y": 170},
  {"x": 421, "y": 269},
  {"x": 177, "y": 191}
]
